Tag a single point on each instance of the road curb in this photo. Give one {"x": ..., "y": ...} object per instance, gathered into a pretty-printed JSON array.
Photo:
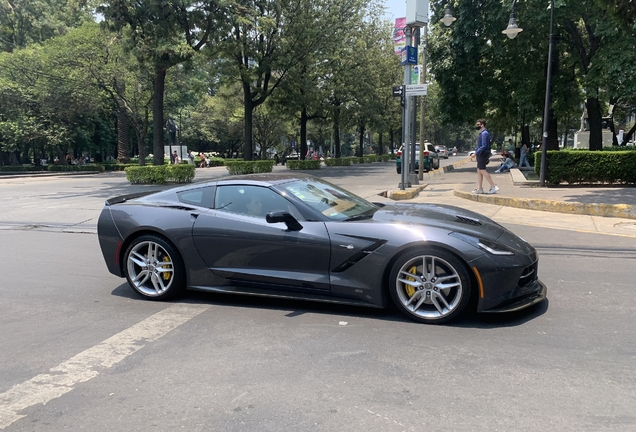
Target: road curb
[
  {"x": 407, "y": 193},
  {"x": 46, "y": 174},
  {"x": 625, "y": 211}
]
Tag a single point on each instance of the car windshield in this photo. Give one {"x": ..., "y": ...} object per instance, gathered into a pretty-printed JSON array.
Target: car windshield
[{"x": 330, "y": 200}]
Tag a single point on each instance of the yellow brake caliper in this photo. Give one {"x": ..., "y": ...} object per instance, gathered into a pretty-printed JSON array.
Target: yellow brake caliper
[
  {"x": 166, "y": 275},
  {"x": 410, "y": 291}
]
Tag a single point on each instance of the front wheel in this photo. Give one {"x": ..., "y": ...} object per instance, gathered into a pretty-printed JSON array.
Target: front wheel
[
  {"x": 431, "y": 286},
  {"x": 154, "y": 268}
]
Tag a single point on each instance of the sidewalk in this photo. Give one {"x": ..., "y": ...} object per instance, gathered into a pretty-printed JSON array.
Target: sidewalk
[
  {"x": 606, "y": 210},
  {"x": 516, "y": 191}
]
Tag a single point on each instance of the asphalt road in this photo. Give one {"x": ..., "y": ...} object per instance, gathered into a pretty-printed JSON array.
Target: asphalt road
[{"x": 80, "y": 351}]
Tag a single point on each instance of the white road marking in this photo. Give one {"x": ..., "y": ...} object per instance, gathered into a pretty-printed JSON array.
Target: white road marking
[{"x": 88, "y": 364}]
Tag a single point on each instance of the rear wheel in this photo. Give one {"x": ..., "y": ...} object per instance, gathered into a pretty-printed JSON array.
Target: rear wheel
[
  {"x": 430, "y": 286},
  {"x": 154, "y": 268}
]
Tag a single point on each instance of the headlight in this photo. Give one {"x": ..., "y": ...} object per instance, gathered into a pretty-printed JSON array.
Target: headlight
[
  {"x": 494, "y": 249},
  {"x": 486, "y": 245}
]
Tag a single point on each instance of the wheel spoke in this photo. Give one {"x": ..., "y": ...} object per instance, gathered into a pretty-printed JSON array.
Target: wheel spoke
[
  {"x": 153, "y": 248},
  {"x": 430, "y": 274},
  {"x": 146, "y": 275},
  {"x": 414, "y": 284},
  {"x": 156, "y": 283},
  {"x": 138, "y": 258},
  {"x": 419, "y": 303},
  {"x": 418, "y": 294},
  {"x": 443, "y": 278},
  {"x": 436, "y": 297},
  {"x": 447, "y": 286}
]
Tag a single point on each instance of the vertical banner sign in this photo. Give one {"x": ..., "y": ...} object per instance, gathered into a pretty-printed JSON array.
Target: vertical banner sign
[
  {"x": 399, "y": 38},
  {"x": 416, "y": 74}
]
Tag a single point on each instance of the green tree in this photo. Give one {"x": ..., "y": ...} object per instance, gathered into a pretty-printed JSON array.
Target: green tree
[
  {"x": 163, "y": 34},
  {"x": 24, "y": 22}
]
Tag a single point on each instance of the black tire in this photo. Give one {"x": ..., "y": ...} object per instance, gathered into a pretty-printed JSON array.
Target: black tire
[
  {"x": 434, "y": 296},
  {"x": 154, "y": 268}
]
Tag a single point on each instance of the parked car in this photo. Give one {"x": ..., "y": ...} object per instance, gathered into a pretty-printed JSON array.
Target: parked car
[
  {"x": 295, "y": 236},
  {"x": 442, "y": 151},
  {"x": 431, "y": 158}
]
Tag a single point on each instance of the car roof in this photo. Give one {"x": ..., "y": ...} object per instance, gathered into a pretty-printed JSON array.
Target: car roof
[{"x": 265, "y": 178}]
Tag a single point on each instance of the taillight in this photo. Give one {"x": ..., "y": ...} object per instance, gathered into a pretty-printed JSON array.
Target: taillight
[
  {"x": 399, "y": 153},
  {"x": 426, "y": 153}
]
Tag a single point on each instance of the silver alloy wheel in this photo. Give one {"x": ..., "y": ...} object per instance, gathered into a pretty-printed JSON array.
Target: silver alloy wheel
[
  {"x": 429, "y": 287},
  {"x": 150, "y": 268}
]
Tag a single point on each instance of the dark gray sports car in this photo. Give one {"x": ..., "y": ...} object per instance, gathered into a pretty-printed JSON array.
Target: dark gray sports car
[{"x": 298, "y": 236}]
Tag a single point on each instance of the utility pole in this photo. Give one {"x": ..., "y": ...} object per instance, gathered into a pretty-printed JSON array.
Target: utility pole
[{"x": 423, "y": 100}]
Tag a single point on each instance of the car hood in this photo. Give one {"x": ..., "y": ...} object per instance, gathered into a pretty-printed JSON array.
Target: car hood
[{"x": 441, "y": 216}]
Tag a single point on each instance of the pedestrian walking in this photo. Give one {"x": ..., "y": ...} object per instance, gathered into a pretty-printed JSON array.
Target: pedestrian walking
[
  {"x": 482, "y": 154},
  {"x": 523, "y": 156}
]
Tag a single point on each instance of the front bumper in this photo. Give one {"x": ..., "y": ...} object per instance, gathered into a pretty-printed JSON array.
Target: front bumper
[
  {"x": 427, "y": 163},
  {"x": 517, "y": 299}
]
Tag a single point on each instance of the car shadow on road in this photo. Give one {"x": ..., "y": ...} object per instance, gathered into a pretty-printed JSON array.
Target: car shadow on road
[
  {"x": 298, "y": 308},
  {"x": 508, "y": 319}
]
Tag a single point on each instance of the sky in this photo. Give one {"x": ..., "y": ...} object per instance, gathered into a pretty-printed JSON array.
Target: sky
[{"x": 395, "y": 9}]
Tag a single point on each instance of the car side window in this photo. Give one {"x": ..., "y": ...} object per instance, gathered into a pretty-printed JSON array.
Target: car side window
[
  {"x": 255, "y": 201},
  {"x": 203, "y": 197}
]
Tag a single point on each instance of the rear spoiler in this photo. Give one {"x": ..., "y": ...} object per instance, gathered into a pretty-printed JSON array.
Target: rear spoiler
[{"x": 123, "y": 198}]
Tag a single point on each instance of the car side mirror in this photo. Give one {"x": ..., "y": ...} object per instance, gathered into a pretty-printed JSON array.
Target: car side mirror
[{"x": 286, "y": 218}]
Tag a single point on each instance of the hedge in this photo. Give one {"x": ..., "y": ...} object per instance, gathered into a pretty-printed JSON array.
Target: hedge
[
  {"x": 20, "y": 168},
  {"x": 588, "y": 167},
  {"x": 87, "y": 167},
  {"x": 235, "y": 167},
  {"x": 303, "y": 164},
  {"x": 337, "y": 162},
  {"x": 160, "y": 174},
  {"x": 118, "y": 166}
]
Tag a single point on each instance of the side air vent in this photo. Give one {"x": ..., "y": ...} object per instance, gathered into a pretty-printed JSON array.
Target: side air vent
[
  {"x": 529, "y": 274},
  {"x": 178, "y": 207},
  {"x": 469, "y": 221}
]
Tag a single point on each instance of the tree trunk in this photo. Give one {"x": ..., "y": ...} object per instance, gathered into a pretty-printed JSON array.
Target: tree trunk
[
  {"x": 157, "y": 117},
  {"x": 336, "y": 128},
  {"x": 628, "y": 135},
  {"x": 525, "y": 135},
  {"x": 248, "y": 110},
  {"x": 303, "y": 133},
  {"x": 122, "y": 136},
  {"x": 380, "y": 145},
  {"x": 553, "y": 133},
  {"x": 361, "y": 141},
  {"x": 141, "y": 140},
  {"x": 595, "y": 121}
]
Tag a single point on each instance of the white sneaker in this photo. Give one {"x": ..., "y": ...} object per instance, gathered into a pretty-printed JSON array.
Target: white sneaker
[
  {"x": 493, "y": 190},
  {"x": 477, "y": 191}
]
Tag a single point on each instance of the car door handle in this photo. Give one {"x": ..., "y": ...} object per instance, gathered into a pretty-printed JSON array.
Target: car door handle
[
  {"x": 194, "y": 216},
  {"x": 349, "y": 246}
]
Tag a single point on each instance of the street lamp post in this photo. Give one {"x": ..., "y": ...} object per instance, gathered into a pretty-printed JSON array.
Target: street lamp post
[{"x": 511, "y": 31}]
